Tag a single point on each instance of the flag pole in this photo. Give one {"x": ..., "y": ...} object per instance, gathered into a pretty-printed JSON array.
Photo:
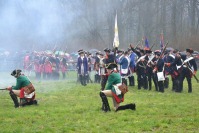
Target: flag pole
[{"x": 116, "y": 38}]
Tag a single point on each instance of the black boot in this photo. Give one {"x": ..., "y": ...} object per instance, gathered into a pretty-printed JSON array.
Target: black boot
[
  {"x": 128, "y": 106},
  {"x": 14, "y": 98},
  {"x": 124, "y": 81},
  {"x": 103, "y": 107},
  {"x": 105, "y": 102},
  {"x": 32, "y": 102},
  {"x": 166, "y": 82},
  {"x": 23, "y": 102},
  {"x": 132, "y": 81}
]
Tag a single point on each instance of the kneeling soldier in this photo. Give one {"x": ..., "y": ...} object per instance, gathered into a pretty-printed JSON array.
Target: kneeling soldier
[
  {"x": 113, "y": 90},
  {"x": 23, "y": 89}
]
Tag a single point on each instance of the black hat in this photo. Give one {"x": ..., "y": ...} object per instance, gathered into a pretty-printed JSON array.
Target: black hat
[
  {"x": 175, "y": 51},
  {"x": 190, "y": 50},
  {"x": 80, "y": 51},
  {"x": 111, "y": 66},
  {"x": 15, "y": 72},
  {"x": 120, "y": 51},
  {"x": 100, "y": 53},
  {"x": 126, "y": 52},
  {"x": 148, "y": 51},
  {"x": 157, "y": 52},
  {"x": 141, "y": 50},
  {"x": 166, "y": 52},
  {"x": 97, "y": 53},
  {"x": 107, "y": 50}
]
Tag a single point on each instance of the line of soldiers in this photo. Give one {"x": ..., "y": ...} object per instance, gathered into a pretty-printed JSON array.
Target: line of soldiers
[
  {"x": 149, "y": 66},
  {"x": 46, "y": 64}
]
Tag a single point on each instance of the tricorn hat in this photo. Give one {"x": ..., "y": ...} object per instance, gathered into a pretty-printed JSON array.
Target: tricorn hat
[
  {"x": 120, "y": 51},
  {"x": 190, "y": 50},
  {"x": 107, "y": 50},
  {"x": 80, "y": 51},
  {"x": 157, "y": 52},
  {"x": 15, "y": 72},
  {"x": 141, "y": 50},
  {"x": 100, "y": 53},
  {"x": 148, "y": 51},
  {"x": 111, "y": 66},
  {"x": 175, "y": 51}
]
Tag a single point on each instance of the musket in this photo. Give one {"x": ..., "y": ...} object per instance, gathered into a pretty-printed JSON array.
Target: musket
[
  {"x": 142, "y": 57},
  {"x": 137, "y": 44},
  {"x": 190, "y": 58},
  {"x": 162, "y": 53},
  {"x": 152, "y": 46},
  {"x": 152, "y": 56},
  {"x": 192, "y": 72},
  {"x": 3, "y": 89},
  {"x": 150, "y": 59}
]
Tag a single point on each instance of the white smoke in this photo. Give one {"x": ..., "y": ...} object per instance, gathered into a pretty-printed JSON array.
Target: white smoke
[{"x": 36, "y": 23}]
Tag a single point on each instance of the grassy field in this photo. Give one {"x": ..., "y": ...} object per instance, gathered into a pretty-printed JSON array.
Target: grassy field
[{"x": 65, "y": 106}]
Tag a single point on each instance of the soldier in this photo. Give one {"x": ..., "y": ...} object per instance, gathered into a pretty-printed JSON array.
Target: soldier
[
  {"x": 82, "y": 67},
  {"x": 57, "y": 67},
  {"x": 141, "y": 71},
  {"x": 102, "y": 71},
  {"x": 119, "y": 56},
  {"x": 63, "y": 65},
  {"x": 159, "y": 67},
  {"x": 47, "y": 74},
  {"x": 108, "y": 58},
  {"x": 176, "y": 64},
  {"x": 23, "y": 89},
  {"x": 132, "y": 56},
  {"x": 124, "y": 67},
  {"x": 149, "y": 67},
  {"x": 114, "y": 81},
  {"x": 168, "y": 58},
  {"x": 97, "y": 77},
  {"x": 88, "y": 78},
  {"x": 187, "y": 66}
]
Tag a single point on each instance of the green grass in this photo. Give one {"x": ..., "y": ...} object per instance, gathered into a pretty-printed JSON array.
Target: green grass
[{"x": 65, "y": 106}]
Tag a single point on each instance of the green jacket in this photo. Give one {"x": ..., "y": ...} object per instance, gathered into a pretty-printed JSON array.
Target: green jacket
[
  {"x": 22, "y": 81},
  {"x": 113, "y": 79}
]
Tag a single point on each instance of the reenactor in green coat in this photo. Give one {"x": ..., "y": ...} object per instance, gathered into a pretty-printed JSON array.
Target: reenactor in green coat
[
  {"x": 111, "y": 90},
  {"x": 23, "y": 89}
]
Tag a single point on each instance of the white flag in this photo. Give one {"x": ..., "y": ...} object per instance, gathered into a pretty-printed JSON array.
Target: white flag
[{"x": 116, "y": 37}]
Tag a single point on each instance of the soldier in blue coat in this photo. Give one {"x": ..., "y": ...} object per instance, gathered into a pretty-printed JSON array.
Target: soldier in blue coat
[
  {"x": 132, "y": 65},
  {"x": 176, "y": 70},
  {"x": 168, "y": 58},
  {"x": 159, "y": 67},
  {"x": 82, "y": 67},
  {"x": 124, "y": 67},
  {"x": 189, "y": 68}
]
